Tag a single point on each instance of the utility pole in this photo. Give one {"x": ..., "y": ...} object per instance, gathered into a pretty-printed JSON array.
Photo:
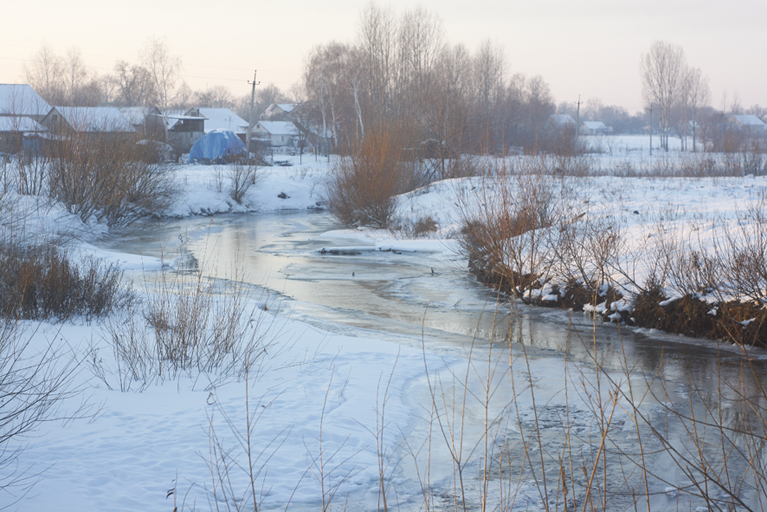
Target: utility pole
[{"x": 250, "y": 112}]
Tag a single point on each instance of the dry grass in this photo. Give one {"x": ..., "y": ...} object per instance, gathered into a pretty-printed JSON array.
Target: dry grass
[
  {"x": 188, "y": 324},
  {"x": 41, "y": 281}
]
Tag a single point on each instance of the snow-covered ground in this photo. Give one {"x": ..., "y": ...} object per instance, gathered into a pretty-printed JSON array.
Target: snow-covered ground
[{"x": 318, "y": 398}]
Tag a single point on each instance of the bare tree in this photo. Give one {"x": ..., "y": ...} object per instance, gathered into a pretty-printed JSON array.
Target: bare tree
[
  {"x": 447, "y": 104},
  {"x": 377, "y": 42},
  {"x": 697, "y": 95},
  {"x": 418, "y": 47},
  {"x": 134, "y": 85},
  {"x": 164, "y": 68},
  {"x": 216, "y": 96},
  {"x": 662, "y": 70},
  {"x": 45, "y": 74},
  {"x": 75, "y": 78},
  {"x": 489, "y": 72},
  {"x": 329, "y": 84}
]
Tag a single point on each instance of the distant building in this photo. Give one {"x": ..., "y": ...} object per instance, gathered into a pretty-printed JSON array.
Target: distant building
[
  {"x": 278, "y": 111},
  {"x": 147, "y": 121},
  {"x": 95, "y": 122},
  {"x": 20, "y": 133},
  {"x": 223, "y": 119},
  {"x": 20, "y": 100},
  {"x": 184, "y": 128},
  {"x": 277, "y": 133},
  {"x": 594, "y": 128},
  {"x": 750, "y": 123},
  {"x": 561, "y": 120},
  {"x": 21, "y": 110}
]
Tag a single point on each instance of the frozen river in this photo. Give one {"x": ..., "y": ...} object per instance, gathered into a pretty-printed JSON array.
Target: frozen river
[{"x": 429, "y": 297}]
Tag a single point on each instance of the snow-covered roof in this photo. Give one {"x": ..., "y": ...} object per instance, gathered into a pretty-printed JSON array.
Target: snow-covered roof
[
  {"x": 561, "y": 119},
  {"x": 136, "y": 115},
  {"x": 595, "y": 125},
  {"x": 287, "y": 107},
  {"x": 21, "y": 100},
  {"x": 173, "y": 116},
  {"x": 20, "y": 124},
  {"x": 278, "y": 127},
  {"x": 223, "y": 119},
  {"x": 95, "y": 119},
  {"x": 749, "y": 120}
]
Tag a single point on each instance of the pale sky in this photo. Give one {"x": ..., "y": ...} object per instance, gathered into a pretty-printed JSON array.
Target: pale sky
[{"x": 589, "y": 48}]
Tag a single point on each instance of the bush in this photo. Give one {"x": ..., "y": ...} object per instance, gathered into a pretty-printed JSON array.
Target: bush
[
  {"x": 363, "y": 186},
  {"x": 505, "y": 235},
  {"x": 242, "y": 176},
  {"x": 188, "y": 324},
  {"x": 40, "y": 281},
  {"x": 107, "y": 179}
]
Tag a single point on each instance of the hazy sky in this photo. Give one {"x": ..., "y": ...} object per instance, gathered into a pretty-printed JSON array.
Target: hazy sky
[{"x": 587, "y": 47}]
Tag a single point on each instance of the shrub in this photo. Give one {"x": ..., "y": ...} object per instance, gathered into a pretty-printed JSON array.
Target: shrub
[
  {"x": 188, "y": 324},
  {"x": 41, "y": 281},
  {"x": 504, "y": 228},
  {"x": 108, "y": 180},
  {"x": 242, "y": 176},
  {"x": 363, "y": 186}
]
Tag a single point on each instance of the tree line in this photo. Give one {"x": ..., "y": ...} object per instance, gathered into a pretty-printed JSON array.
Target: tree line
[
  {"x": 400, "y": 70},
  {"x": 155, "y": 80}
]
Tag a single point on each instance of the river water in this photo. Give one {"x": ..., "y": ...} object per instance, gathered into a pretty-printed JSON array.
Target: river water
[{"x": 429, "y": 297}]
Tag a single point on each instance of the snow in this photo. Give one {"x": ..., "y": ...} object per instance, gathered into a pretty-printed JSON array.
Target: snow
[
  {"x": 223, "y": 119},
  {"x": 278, "y": 127},
  {"x": 22, "y": 100},
  {"x": 313, "y": 386},
  {"x": 95, "y": 119},
  {"x": 20, "y": 124}
]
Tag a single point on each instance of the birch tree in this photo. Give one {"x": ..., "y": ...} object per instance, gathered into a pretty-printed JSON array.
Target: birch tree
[
  {"x": 697, "y": 95},
  {"x": 164, "y": 68},
  {"x": 662, "y": 70}
]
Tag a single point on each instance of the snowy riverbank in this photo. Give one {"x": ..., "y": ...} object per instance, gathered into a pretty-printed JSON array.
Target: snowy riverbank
[{"x": 316, "y": 393}]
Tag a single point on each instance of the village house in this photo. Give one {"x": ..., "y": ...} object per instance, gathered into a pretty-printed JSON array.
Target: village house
[
  {"x": 749, "y": 123},
  {"x": 561, "y": 120},
  {"x": 97, "y": 123},
  {"x": 278, "y": 134},
  {"x": 594, "y": 128},
  {"x": 223, "y": 119},
  {"x": 147, "y": 121},
  {"x": 21, "y": 110},
  {"x": 278, "y": 111},
  {"x": 184, "y": 127}
]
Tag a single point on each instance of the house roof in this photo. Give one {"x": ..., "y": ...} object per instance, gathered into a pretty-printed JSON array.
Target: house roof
[
  {"x": 562, "y": 119},
  {"x": 287, "y": 107},
  {"x": 223, "y": 119},
  {"x": 95, "y": 119},
  {"x": 137, "y": 115},
  {"x": 20, "y": 124},
  {"x": 749, "y": 120},
  {"x": 278, "y": 127},
  {"x": 174, "y": 116},
  {"x": 595, "y": 125},
  {"x": 21, "y": 100}
]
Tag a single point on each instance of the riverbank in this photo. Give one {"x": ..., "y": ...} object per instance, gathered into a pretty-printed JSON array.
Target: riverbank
[{"x": 316, "y": 391}]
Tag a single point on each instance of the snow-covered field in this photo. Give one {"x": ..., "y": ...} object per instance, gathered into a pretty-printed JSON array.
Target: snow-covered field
[{"x": 317, "y": 400}]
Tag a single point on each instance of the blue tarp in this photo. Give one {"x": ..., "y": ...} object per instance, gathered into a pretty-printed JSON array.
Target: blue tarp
[{"x": 217, "y": 146}]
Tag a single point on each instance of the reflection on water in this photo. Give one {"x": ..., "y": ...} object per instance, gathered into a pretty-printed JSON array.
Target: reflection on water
[{"x": 412, "y": 297}]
